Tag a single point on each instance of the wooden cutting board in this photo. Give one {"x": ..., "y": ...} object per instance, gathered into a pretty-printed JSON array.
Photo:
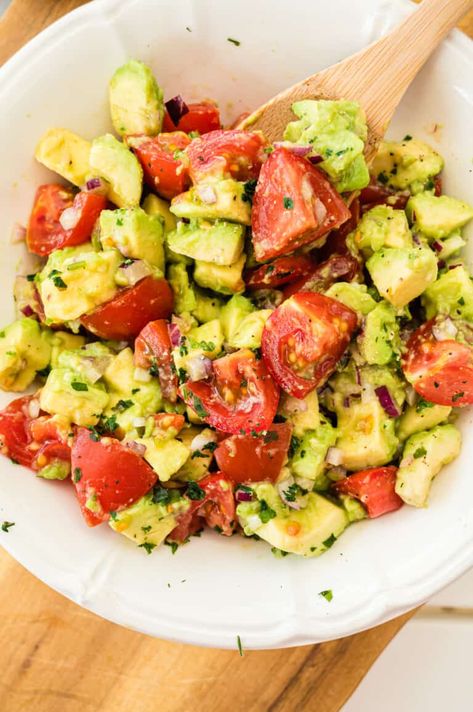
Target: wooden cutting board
[{"x": 56, "y": 657}]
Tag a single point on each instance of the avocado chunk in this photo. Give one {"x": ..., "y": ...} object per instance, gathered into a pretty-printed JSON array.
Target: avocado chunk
[
  {"x": 220, "y": 278},
  {"x": 421, "y": 416},
  {"x": 379, "y": 342},
  {"x": 451, "y": 294},
  {"x": 353, "y": 507},
  {"x": 63, "y": 341},
  {"x": 197, "y": 465},
  {"x": 166, "y": 457},
  {"x": 402, "y": 274},
  {"x": 337, "y": 131},
  {"x": 147, "y": 522},
  {"x": 437, "y": 217},
  {"x": 233, "y": 313},
  {"x": 249, "y": 332},
  {"x": 207, "y": 307},
  {"x": 308, "y": 461},
  {"x": 69, "y": 394},
  {"x": 450, "y": 245},
  {"x": 75, "y": 280},
  {"x": 112, "y": 160},
  {"x": 89, "y": 361},
  {"x": 424, "y": 455},
  {"x": 410, "y": 164},
  {"x": 135, "y": 233},
  {"x": 184, "y": 296},
  {"x": 205, "y": 341},
  {"x": 382, "y": 226},
  {"x": 355, "y": 296},
  {"x": 65, "y": 153},
  {"x": 229, "y": 203},
  {"x": 219, "y": 242},
  {"x": 160, "y": 207},
  {"x": 307, "y": 532},
  {"x": 25, "y": 348},
  {"x": 302, "y": 413},
  {"x": 136, "y": 101},
  {"x": 56, "y": 470}
]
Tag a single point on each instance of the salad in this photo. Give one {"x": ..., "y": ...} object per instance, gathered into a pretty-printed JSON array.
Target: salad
[{"x": 266, "y": 339}]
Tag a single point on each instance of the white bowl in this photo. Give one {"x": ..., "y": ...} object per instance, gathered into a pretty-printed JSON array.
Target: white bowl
[{"x": 215, "y": 589}]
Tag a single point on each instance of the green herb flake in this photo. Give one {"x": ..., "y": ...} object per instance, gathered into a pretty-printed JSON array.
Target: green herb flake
[
  {"x": 233, "y": 41},
  {"x": 194, "y": 492},
  {"x": 288, "y": 203},
  {"x": 328, "y": 594},
  {"x": 146, "y": 529},
  {"x": 123, "y": 405},
  {"x": 248, "y": 191},
  {"x": 198, "y": 406},
  {"x": 173, "y": 545},
  {"x": 240, "y": 647},
  {"x": 59, "y": 283},
  {"x": 383, "y": 178},
  {"x": 6, "y": 526},
  {"x": 420, "y": 452},
  {"x": 330, "y": 541},
  {"x": 134, "y": 391},
  {"x": 461, "y": 302},
  {"x": 30, "y": 277},
  {"x": 407, "y": 137},
  {"x": 270, "y": 436},
  {"x": 147, "y": 546},
  {"x": 295, "y": 442},
  {"x": 161, "y": 495},
  {"x": 78, "y": 386},
  {"x": 422, "y": 404},
  {"x": 77, "y": 474},
  {"x": 266, "y": 512},
  {"x": 94, "y": 434}
]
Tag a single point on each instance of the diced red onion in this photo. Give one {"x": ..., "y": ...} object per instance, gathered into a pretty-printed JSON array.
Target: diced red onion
[
  {"x": 453, "y": 266},
  {"x": 69, "y": 218},
  {"x": 438, "y": 247},
  {"x": 294, "y": 148},
  {"x": 27, "y": 311},
  {"x": 444, "y": 330},
  {"x": 299, "y": 502},
  {"x": 202, "y": 439},
  {"x": 334, "y": 456},
  {"x": 316, "y": 158},
  {"x": 95, "y": 366},
  {"x": 207, "y": 194},
  {"x": 346, "y": 402},
  {"x": 177, "y": 108},
  {"x": 294, "y": 405},
  {"x": 199, "y": 368},
  {"x": 242, "y": 496},
  {"x": 139, "y": 448},
  {"x": 96, "y": 185},
  {"x": 416, "y": 239},
  {"x": 386, "y": 401},
  {"x": 134, "y": 272},
  {"x": 18, "y": 234},
  {"x": 34, "y": 408},
  {"x": 175, "y": 335},
  {"x": 139, "y": 422},
  {"x": 141, "y": 375}
]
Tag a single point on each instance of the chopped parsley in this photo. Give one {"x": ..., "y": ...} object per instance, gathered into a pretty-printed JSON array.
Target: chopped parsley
[
  {"x": 295, "y": 442},
  {"x": 422, "y": 404},
  {"x": 461, "y": 302},
  {"x": 94, "y": 434},
  {"x": 182, "y": 375},
  {"x": 292, "y": 492},
  {"x": 248, "y": 191},
  {"x": 78, "y": 386},
  {"x": 183, "y": 350},
  {"x": 173, "y": 545},
  {"x": 123, "y": 405},
  {"x": 407, "y": 137},
  {"x": 270, "y": 436},
  {"x": 146, "y": 529},
  {"x": 58, "y": 282},
  {"x": 279, "y": 553},
  {"x": 195, "y": 492},
  {"x": 420, "y": 452},
  {"x": 330, "y": 541},
  {"x": 240, "y": 647},
  {"x": 6, "y": 526},
  {"x": 383, "y": 178},
  {"x": 233, "y": 41},
  {"x": 120, "y": 222},
  {"x": 161, "y": 495},
  {"x": 153, "y": 369},
  {"x": 107, "y": 425},
  {"x": 148, "y": 546},
  {"x": 44, "y": 372},
  {"x": 430, "y": 185},
  {"x": 135, "y": 390},
  {"x": 288, "y": 203},
  {"x": 198, "y": 406},
  {"x": 328, "y": 594},
  {"x": 266, "y": 512},
  {"x": 77, "y": 474}
]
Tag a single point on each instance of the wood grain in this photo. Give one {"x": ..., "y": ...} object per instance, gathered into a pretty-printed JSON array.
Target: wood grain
[{"x": 56, "y": 657}]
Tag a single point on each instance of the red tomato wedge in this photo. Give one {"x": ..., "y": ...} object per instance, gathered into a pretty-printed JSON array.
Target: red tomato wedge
[
  {"x": 335, "y": 268},
  {"x": 245, "y": 458},
  {"x": 282, "y": 271},
  {"x": 14, "y": 435},
  {"x": 53, "y": 441},
  {"x": 202, "y": 117},
  {"x": 45, "y": 232},
  {"x": 153, "y": 351},
  {"x": 163, "y": 170},
  {"x": 304, "y": 339},
  {"x": 218, "y": 505},
  {"x": 294, "y": 204},
  {"x": 374, "y": 488},
  {"x": 124, "y": 316},
  {"x": 107, "y": 475},
  {"x": 241, "y": 395},
  {"x": 188, "y": 523},
  {"x": 440, "y": 371},
  {"x": 377, "y": 194},
  {"x": 223, "y": 154}
]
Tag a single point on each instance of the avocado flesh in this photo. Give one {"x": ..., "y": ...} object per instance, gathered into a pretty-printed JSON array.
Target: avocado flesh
[
  {"x": 382, "y": 226},
  {"x": 220, "y": 278},
  {"x": 416, "y": 418},
  {"x": 65, "y": 153},
  {"x": 355, "y": 296},
  {"x": 219, "y": 242},
  {"x": 25, "y": 348},
  {"x": 402, "y": 274},
  {"x": 451, "y": 294},
  {"x": 438, "y": 216},
  {"x": 409, "y": 164},
  {"x": 112, "y": 160},
  {"x": 69, "y": 394},
  {"x": 146, "y": 522},
  {"x": 229, "y": 204},
  {"x": 134, "y": 233},
  {"x": 136, "y": 100}
]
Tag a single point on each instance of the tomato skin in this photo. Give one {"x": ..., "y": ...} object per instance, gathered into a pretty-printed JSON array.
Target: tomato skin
[
  {"x": 203, "y": 117},
  {"x": 315, "y": 330},
  {"x": 225, "y": 153},
  {"x": 187, "y": 524},
  {"x": 128, "y": 312},
  {"x": 153, "y": 348},
  {"x": 336, "y": 267},
  {"x": 14, "y": 436},
  {"x": 164, "y": 173},
  {"x": 44, "y": 231},
  {"x": 115, "y": 474},
  {"x": 245, "y": 458},
  {"x": 88, "y": 206},
  {"x": 314, "y": 206},
  {"x": 377, "y": 194},
  {"x": 282, "y": 270},
  {"x": 230, "y": 406},
  {"x": 374, "y": 488},
  {"x": 439, "y": 371}
]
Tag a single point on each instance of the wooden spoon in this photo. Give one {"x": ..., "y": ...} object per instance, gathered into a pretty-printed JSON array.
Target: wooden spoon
[{"x": 376, "y": 77}]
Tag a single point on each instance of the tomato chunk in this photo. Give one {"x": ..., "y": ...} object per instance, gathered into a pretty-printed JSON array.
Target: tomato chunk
[
  {"x": 107, "y": 475},
  {"x": 153, "y": 350},
  {"x": 14, "y": 435},
  {"x": 294, "y": 204},
  {"x": 282, "y": 271},
  {"x": 218, "y": 506},
  {"x": 231, "y": 153},
  {"x": 440, "y": 371},
  {"x": 304, "y": 339},
  {"x": 202, "y": 117},
  {"x": 163, "y": 170},
  {"x": 124, "y": 316},
  {"x": 240, "y": 396},
  {"x": 246, "y": 458},
  {"x": 374, "y": 488},
  {"x": 335, "y": 268}
]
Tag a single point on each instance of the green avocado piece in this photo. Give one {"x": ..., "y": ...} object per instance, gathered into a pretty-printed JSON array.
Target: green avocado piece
[
  {"x": 451, "y": 294},
  {"x": 337, "y": 131},
  {"x": 160, "y": 207},
  {"x": 249, "y": 332},
  {"x": 197, "y": 465},
  {"x": 166, "y": 457},
  {"x": 207, "y": 308},
  {"x": 88, "y": 361},
  {"x": 136, "y": 100},
  {"x": 56, "y": 470},
  {"x": 307, "y": 532},
  {"x": 65, "y": 153},
  {"x": 233, "y": 313},
  {"x": 355, "y": 296},
  {"x": 421, "y": 416},
  {"x": 184, "y": 296},
  {"x": 112, "y": 160},
  {"x": 402, "y": 274},
  {"x": 25, "y": 348},
  {"x": 219, "y": 242},
  {"x": 379, "y": 341},
  {"x": 353, "y": 507},
  {"x": 68, "y": 394},
  {"x": 75, "y": 280},
  {"x": 308, "y": 461},
  {"x": 382, "y": 226},
  {"x": 229, "y": 203},
  {"x": 450, "y": 245},
  {"x": 134, "y": 233},
  {"x": 220, "y": 278},
  {"x": 63, "y": 341},
  {"x": 148, "y": 523},
  {"x": 437, "y": 216},
  {"x": 424, "y": 455},
  {"x": 410, "y": 164},
  {"x": 305, "y": 418}
]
